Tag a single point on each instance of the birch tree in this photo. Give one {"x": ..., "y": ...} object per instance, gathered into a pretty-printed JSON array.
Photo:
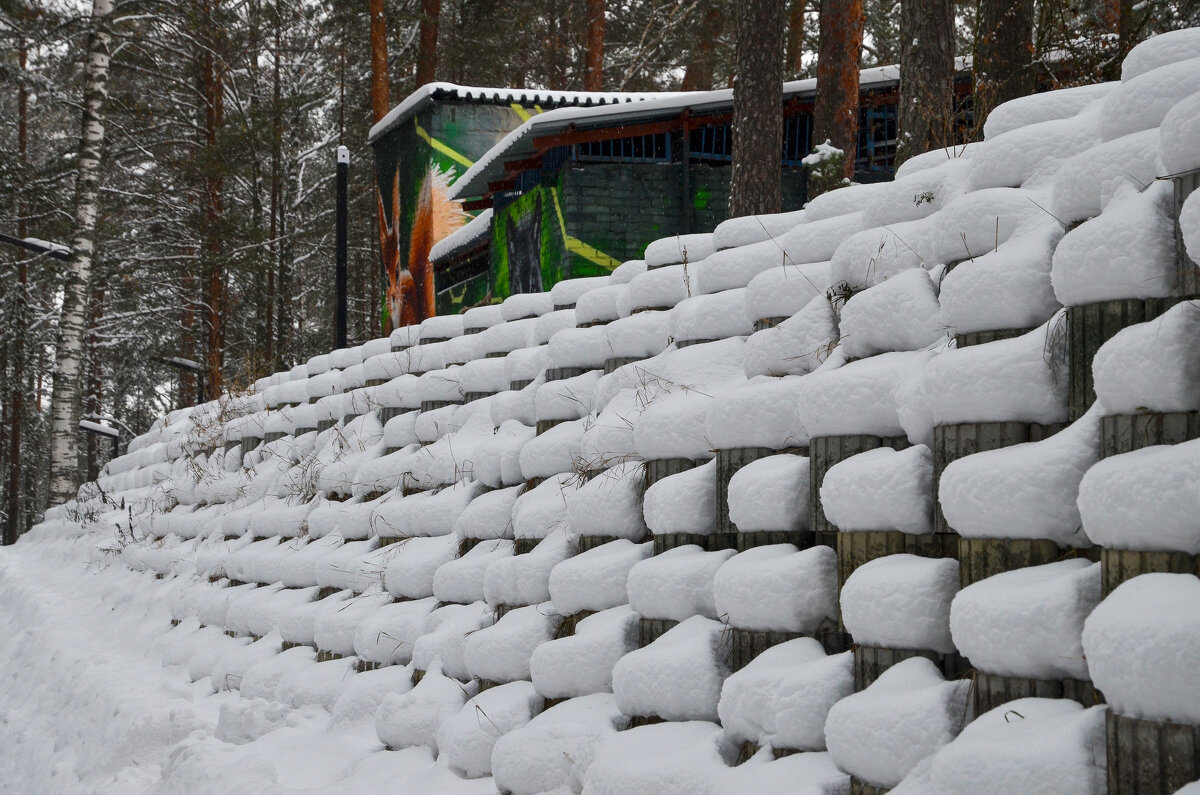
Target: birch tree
[{"x": 72, "y": 328}]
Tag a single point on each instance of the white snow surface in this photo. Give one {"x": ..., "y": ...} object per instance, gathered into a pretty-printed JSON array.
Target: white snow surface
[
  {"x": 1142, "y": 644},
  {"x": 778, "y": 588},
  {"x": 1121, "y": 499},
  {"x": 881, "y": 489},
  {"x": 901, "y": 602},
  {"x": 1153, "y": 366},
  {"x": 1028, "y": 622},
  {"x": 1026, "y": 490},
  {"x": 1026, "y": 745},
  {"x": 770, "y": 494},
  {"x": 908, "y": 713}
]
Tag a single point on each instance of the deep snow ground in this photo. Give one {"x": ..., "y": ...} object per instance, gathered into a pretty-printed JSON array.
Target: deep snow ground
[{"x": 86, "y": 704}]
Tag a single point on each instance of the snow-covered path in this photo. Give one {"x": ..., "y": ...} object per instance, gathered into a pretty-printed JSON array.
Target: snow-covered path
[{"x": 87, "y": 705}]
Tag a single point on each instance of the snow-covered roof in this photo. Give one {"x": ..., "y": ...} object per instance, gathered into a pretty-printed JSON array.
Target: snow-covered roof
[
  {"x": 520, "y": 142},
  {"x": 476, "y": 228},
  {"x": 429, "y": 93}
]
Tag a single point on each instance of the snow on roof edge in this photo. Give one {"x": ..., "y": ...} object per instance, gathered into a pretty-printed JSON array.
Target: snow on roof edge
[
  {"x": 674, "y": 101},
  {"x": 474, "y": 229},
  {"x": 427, "y": 93}
]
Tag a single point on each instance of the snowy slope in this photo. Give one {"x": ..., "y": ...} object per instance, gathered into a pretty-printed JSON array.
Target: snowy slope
[{"x": 319, "y": 586}]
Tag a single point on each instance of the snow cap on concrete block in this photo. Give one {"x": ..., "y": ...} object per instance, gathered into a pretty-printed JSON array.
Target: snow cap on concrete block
[
  {"x": 1143, "y": 644},
  {"x": 1028, "y": 622},
  {"x": 413, "y": 718},
  {"x": 596, "y": 579},
  {"x": 1127, "y": 251},
  {"x": 1026, "y": 745},
  {"x": 1152, "y": 366},
  {"x": 747, "y": 229},
  {"x": 784, "y": 290},
  {"x": 610, "y": 504},
  {"x": 677, "y": 758},
  {"x": 1147, "y": 499},
  {"x": 859, "y": 397},
  {"x": 796, "y": 346},
  {"x": 901, "y": 602},
  {"x": 678, "y": 677},
  {"x": 770, "y": 494},
  {"x": 759, "y": 702},
  {"x": 1026, "y": 490},
  {"x": 582, "y": 663},
  {"x": 679, "y": 248},
  {"x": 443, "y": 640},
  {"x": 683, "y": 503},
  {"x": 883, "y": 732},
  {"x": 778, "y": 588},
  {"x": 462, "y": 580},
  {"x": 899, "y": 314},
  {"x": 501, "y": 652},
  {"x": 1022, "y": 379},
  {"x": 677, "y": 584},
  {"x": 1141, "y": 102},
  {"x": 759, "y": 413},
  {"x": 881, "y": 489},
  {"x": 554, "y": 750},
  {"x": 466, "y": 739}
]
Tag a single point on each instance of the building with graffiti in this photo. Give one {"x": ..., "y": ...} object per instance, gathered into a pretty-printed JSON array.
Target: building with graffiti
[
  {"x": 575, "y": 191},
  {"x": 421, "y": 148}
]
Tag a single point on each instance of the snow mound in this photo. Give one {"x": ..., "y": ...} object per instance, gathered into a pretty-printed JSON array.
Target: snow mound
[
  {"x": 770, "y": 494},
  {"x": 677, "y": 677},
  {"x": 677, "y": 584},
  {"x": 881, "y": 489},
  {"x": 1026, "y": 745},
  {"x": 1123, "y": 505},
  {"x": 1028, "y": 622},
  {"x": 901, "y": 602},
  {"x": 582, "y": 664},
  {"x": 1127, "y": 251},
  {"x": 1026, "y": 490},
  {"x": 1153, "y": 366},
  {"x": 1014, "y": 380},
  {"x": 796, "y": 346},
  {"x": 783, "y": 696},
  {"x": 778, "y": 588},
  {"x": 466, "y": 739},
  {"x": 1143, "y": 644},
  {"x": 596, "y": 579},
  {"x": 554, "y": 750},
  {"x": 683, "y": 503},
  {"x": 899, "y": 314},
  {"x": 883, "y": 732}
]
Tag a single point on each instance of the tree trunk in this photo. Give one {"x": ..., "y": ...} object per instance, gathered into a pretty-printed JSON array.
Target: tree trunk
[
  {"x": 427, "y": 41},
  {"x": 1003, "y": 54},
  {"x": 698, "y": 74},
  {"x": 16, "y": 407},
  {"x": 94, "y": 393},
  {"x": 214, "y": 115},
  {"x": 926, "y": 77},
  {"x": 593, "y": 76},
  {"x": 757, "y": 109},
  {"x": 835, "y": 111},
  {"x": 275, "y": 354},
  {"x": 793, "y": 59},
  {"x": 72, "y": 324},
  {"x": 381, "y": 101}
]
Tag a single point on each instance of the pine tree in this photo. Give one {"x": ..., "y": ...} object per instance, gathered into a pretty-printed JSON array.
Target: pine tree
[{"x": 754, "y": 181}]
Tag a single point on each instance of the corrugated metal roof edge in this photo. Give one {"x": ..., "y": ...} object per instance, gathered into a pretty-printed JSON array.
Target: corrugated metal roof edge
[
  {"x": 429, "y": 93},
  {"x": 518, "y": 143}
]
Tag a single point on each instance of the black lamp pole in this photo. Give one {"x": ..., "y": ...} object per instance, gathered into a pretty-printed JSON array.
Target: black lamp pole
[{"x": 343, "y": 173}]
